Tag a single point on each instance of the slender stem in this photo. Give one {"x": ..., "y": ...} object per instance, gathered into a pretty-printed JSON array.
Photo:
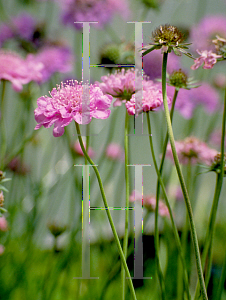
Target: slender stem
[
  {"x": 213, "y": 213},
  {"x": 177, "y": 238},
  {"x": 126, "y": 235},
  {"x": 3, "y": 133},
  {"x": 222, "y": 281},
  {"x": 107, "y": 211},
  {"x": 181, "y": 179}
]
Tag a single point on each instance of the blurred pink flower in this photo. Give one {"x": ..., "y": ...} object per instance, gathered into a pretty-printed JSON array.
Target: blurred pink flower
[
  {"x": 3, "y": 224},
  {"x": 151, "y": 99},
  {"x": 100, "y": 11},
  {"x": 65, "y": 105},
  {"x": 188, "y": 100},
  {"x": 153, "y": 64},
  {"x": 201, "y": 34},
  {"x": 115, "y": 152},
  {"x": 55, "y": 59},
  {"x": 192, "y": 150},
  {"x": 78, "y": 150},
  {"x": 209, "y": 58},
  {"x": 17, "y": 70},
  {"x": 149, "y": 201},
  {"x": 2, "y": 249}
]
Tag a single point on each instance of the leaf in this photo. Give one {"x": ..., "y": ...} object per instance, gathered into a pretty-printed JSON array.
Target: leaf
[{"x": 149, "y": 50}]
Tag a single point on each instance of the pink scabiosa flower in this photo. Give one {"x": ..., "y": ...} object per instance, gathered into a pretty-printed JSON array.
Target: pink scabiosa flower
[
  {"x": 17, "y": 70},
  {"x": 100, "y": 11},
  {"x": 209, "y": 59},
  {"x": 65, "y": 105},
  {"x": 55, "y": 59},
  {"x": 153, "y": 64},
  {"x": 78, "y": 150},
  {"x": 115, "y": 152},
  {"x": 3, "y": 224},
  {"x": 201, "y": 35},
  {"x": 188, "y": 100},
  {"x": 152, "y": 99},
  {"x": 192, "y": 150},
  {"x": 149, "y": 202}
]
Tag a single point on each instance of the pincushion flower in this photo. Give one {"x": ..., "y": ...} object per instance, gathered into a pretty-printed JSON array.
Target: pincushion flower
[
  {"x": 151, "y": 99},
  {"x": 19, "y": 71},
  {"x": 115, "y": 152},
  {"x": 192, "y": 150},
  {"x": 100, "y": 11},
  {"x": 209, "y": 59},
  {"x": 121, "y": 85},
  {"x": 65, "y": 105}
]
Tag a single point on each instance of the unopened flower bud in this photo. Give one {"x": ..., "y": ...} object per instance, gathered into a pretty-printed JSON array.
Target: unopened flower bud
[{"x": 178, "y": 79}]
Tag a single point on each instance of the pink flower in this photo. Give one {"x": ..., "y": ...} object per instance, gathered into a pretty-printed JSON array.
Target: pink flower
[
  {"x": 55, "y": 59},
  {"x": 188, "y": 100},
  {"x": 209, "y": 58},
  {"x": 17, "y": 70},
  {"x": 115, "y": 152},
  {"x": 151, "y": 99},
  {"x": 65, "y": 105},
  {"x": 203, "y": 33},
  {"x": 149, "y": 201},
  {"x": 192, "y": 150},
  {"x": 3, "y": 224},
  {"x": 78, "y": 150},
  {"x": 92, "y": 10}
]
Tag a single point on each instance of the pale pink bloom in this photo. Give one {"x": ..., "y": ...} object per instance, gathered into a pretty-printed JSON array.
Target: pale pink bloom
[
  {"x": 192, "y": 150},
  {"x": 151, "y": 99},
  {"x": 3, "y": 224},
  {"x": 17, "y": 70},
  {"x": 209, "y": 58},
  {"x": 2, "y": 249},
  {"x": 78, "y": 150},
  {"x": 65, "y": 105},
  {"x": 115, "y": 152},
  {"x": 149, "y": 201}
]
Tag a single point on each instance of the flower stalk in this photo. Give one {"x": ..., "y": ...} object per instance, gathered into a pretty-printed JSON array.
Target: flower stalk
[{"x": 181, "y": 179}]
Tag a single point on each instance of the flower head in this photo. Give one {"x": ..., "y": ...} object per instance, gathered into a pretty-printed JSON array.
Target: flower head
[
  {"x": 192, "y": 150},
  {"x": 151, "y": 99},
  {"x": 167, "y": 38},
  {"x": 216, "y": 164},
  {"x": 115, "y": 152},
  {"x": 19, "y": 71},
  {"x": 149, "y": 201},
  {"x": 92, "y": 10},
  {"x": 3, "y": 224},
  {"x": 65, "y": 105},
  {"x": 209, "y": 58}
]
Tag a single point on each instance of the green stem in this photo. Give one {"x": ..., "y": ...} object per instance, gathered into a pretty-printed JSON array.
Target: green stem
[
  {"x": 107, "y": 211},
  {"x": 3, "y": 133},
  {"x": 126, "y": 235},
  {"x": 181, "y": 179},
  {"x": 177, "y": 238},
  {"x": 213, "y": 213},
  {"x": 222, "y": 280}
]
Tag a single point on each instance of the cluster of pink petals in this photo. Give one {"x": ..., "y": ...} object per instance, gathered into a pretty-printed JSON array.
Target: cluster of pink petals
[
  {"x": 54, "y": 59},
  {"x": 187, "y": 100},
  {"x": 209, "y": 59},
  {"x": 19, "y": 71},
  {"x": 78, "y": 150},
  {"x": 201, "y": 35},
  {"x": 100, "y": 11},
  {"x": 149, "y": 201},
  {"x": 3, "y": 224},
  {"x": 192, "y": 150},
  {"x": 151, "y": 99},
  {"x": 65, "y": 104},
  {"x": 115, "y": 152}
]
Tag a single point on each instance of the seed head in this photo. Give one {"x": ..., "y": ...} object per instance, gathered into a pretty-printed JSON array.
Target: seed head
[{"x": 167, "y": 35}]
